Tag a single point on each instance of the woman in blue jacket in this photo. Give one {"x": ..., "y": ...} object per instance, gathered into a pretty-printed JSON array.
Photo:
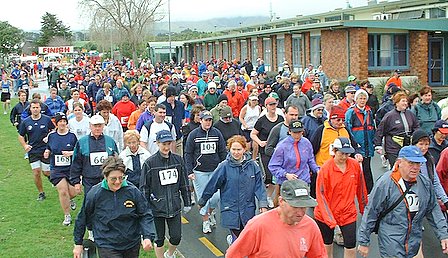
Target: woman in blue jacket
[{"x": 240, "y": 180}]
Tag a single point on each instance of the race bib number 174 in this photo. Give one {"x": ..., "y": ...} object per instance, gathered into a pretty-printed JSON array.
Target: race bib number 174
[{"x": 168, "y": 176}]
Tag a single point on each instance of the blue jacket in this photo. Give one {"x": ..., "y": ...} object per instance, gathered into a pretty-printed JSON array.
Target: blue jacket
[
  {"x": 118, "y": 218},
  {"x": 55, "y": 105},
  {"x": 239, "y": 184},
  {"x": 398, "y": 235},
  {"x": 284, "y": 160},
  {"x": 361, "y": 125},
  {"x": 311, "y": 123}
]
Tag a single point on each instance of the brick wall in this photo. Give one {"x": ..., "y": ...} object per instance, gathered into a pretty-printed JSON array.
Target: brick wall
[
  {"x": 274, "y": 53},
  {"x": 358, "y": 53},
  {"x": 418, "y": 55},
  {"x": 288, "y": 50},
  {"x": 260, "y": 47},
  {"x": 238, "y": 50},
  {"x": 306, "y": 51},
  {"x": 334, "y": 53},
  {"x": 220, "y": 53}
]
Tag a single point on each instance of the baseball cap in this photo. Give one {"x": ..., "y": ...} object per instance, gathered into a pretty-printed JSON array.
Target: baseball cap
[
  {"x": 343, "y": 145},
  {"x": 97, "y": 119},
  {"x": 296, "y": 126},
  {"x": 297, "y": 194},
  {"x": 225, "y": 112},
  {"x": 397, "y": 71},
  {"x": 351, "y": 78},
  {"x": 411, "y": 153},
  {"x": 442, "y": 126},
  {"x": 164, "y": 136},
  {"x": 350, "y": 89},
  {"x": 59, "y": 117},
  {"x": 269, "y": 100},
  {"x": 253, "y": 97},
  {"x": 337, "y": 112},
  {"x": 205, "y": 115},
  {"x": 274, "y": 95}
]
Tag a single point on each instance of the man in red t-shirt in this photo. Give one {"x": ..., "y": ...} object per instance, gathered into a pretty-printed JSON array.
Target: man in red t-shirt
[{"x": 285, "y": 231}]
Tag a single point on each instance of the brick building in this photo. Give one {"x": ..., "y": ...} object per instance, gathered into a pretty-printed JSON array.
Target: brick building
[{"x": 367, "y": 41}]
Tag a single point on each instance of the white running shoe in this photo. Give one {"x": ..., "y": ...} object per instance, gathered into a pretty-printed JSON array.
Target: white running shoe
[
  {"x": 67, "y": 220},
  {"x": 206, "y": 227},
  {"x": 72, "y": 205},
  {"x": 166, "y": 255},
  {"x": 270, "y": 202},
  {"x": 212, "y": 218},
  {"x": 384, "y": 161},
  {"x": 229, "y": 239}
]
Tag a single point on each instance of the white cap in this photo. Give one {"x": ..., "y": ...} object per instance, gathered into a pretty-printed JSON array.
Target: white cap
[
  {"x": 97, "y": 119},
  {"x": 211, "y": 85}
]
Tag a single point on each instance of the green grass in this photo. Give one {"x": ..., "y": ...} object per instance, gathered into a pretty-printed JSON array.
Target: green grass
[{"x": 29, "y": 228}]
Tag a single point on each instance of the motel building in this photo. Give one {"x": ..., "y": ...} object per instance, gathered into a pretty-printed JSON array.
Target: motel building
[{"x": 368, "y": 41}]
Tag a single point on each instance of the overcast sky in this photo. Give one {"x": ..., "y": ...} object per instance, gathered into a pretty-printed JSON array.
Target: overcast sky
[{"x": 26, "y": 14}]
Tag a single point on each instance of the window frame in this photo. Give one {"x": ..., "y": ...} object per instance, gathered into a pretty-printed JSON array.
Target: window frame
[{"x": 393, "y": 52}]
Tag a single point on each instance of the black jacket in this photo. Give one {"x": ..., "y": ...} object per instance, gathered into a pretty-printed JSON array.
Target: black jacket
[{"x": 162, "y": 182}]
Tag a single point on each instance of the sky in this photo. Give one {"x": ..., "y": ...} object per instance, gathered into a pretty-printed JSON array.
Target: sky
[{"x": 27, "y": 14}]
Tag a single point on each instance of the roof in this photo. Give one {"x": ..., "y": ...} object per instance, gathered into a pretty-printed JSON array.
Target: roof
[{"x": 411, "y": 24}]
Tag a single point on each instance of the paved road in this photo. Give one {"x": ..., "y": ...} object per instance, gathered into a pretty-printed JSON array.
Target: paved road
[
  {"x": 198, "y": 245},
  {"x": 195, "y": 244}
]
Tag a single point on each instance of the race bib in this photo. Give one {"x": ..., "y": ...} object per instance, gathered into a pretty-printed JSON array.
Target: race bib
[
  {"x": 208, "y": 147},
  {"x": 25, "y": 86},
  {"x": 60, "y": 160},
  {"x": 169, "y": 119},
  {"x": 97, "y": 158},
  {"x": 5, "y": 90},
  {"x": 124, "y": 119},
  {"x": 168, "y": 176},
  {"x": 412, "y": 202}
]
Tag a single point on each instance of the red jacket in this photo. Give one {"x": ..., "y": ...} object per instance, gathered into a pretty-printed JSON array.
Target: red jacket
[
  {"x": 123, "y": 110},
  {"x": 306, "y": 86},
  {"x": 235, "y": 101},
  {"x": 335, "y": 193},
  {"x": 442, "y": 169}
]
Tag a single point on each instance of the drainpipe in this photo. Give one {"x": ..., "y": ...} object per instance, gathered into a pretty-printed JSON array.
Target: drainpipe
[{"x": 348, "y": 52}]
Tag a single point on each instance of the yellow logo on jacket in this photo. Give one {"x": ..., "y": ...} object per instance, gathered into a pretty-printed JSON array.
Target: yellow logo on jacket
[{"x": 129, "y": 204}]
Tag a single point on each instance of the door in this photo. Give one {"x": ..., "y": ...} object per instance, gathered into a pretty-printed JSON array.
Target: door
[{"x": 435, "y": 64}]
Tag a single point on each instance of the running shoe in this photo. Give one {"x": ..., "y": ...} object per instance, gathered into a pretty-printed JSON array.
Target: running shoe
[
  {"x": 270, "y": 202},
  {"x": 193, "y": 201},
  {"x": 4, "y": 113},
  {"x": 166, "y": 255},
  {"x": 67, "y": 220},
  {"x": 212, "y": 218},
  {"x": 229, "y": 239},
  {"x": 25, "y": 156},
  {"x": 72, "y": 205},
  {"x": 338, "y": 238},
  {"x": 206, "y": 227},
  {"x": 384, "y": 161},
  {"x": 41, "y": 196}
]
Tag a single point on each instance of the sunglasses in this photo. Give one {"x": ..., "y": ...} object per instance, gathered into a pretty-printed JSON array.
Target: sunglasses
[{"x": 320, "y": 109}]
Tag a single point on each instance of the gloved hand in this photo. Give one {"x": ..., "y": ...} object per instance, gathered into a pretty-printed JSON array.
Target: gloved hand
[{"x": 187, "y": 209}]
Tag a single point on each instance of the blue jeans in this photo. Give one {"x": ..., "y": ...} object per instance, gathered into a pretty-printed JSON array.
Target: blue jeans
[{"x": 200, "y": 182}]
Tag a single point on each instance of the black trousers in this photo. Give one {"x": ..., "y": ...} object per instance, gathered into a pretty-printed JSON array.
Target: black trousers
[
  {"x": 111, "y": 253},
  {"x": 367, "y": 170}
]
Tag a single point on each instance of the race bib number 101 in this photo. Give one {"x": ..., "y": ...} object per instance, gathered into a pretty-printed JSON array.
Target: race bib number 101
[
  {"x": 168, "y": 176},
  {"x": 97, "y": 158}
]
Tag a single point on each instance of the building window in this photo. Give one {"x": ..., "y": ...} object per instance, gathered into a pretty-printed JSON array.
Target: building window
[
  {"x": 296, "y": 52},
  {"x": 243, "y": 44},
  {"x": 267, "y": 53},
  {"x": 254, "y": 54},
  {"x": 388, "y": 51},
  {"x": 217, "y": 51},
  {"x": 210, "y": 50},
  {"x": 315, "y": 50},
  {"x": 225, "y": 51},
  {"x": 233, "y": 46},
  {"x": 203, "y": 52},
  {"x": 280, "y": 52},
  {"x": 435, "y": 13}
]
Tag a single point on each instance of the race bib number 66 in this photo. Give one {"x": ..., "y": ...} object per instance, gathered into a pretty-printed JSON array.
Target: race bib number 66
[
  {"x": 97, "y": 158},
  {"x": 168, "y": 176}
]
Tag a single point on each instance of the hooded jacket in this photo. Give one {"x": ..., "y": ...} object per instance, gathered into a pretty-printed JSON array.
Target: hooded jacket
[
  {"x": 240, "y": 184},
  {"x": 362, "y": 126},
  {"x": 427, "y": 115},
  {"x": 398, "y": 235}
]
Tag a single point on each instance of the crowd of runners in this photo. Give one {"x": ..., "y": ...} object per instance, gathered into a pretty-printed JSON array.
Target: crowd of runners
[{"x": 143, "y": 142}]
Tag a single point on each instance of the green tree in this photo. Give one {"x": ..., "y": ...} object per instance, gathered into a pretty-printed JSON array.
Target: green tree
[
  {"x": 10, "y": 38},
  {"x": 53, "y": 30}
]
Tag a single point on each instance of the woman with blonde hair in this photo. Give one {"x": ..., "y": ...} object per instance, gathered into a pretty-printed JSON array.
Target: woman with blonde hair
[{"x": 133, "y": 156}]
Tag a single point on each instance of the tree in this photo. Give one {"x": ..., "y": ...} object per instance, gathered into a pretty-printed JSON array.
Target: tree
[
  {"x": 129, "y": 19},
  {"x": 53, "y": 31},
  {"x": 10, "y": 38}
]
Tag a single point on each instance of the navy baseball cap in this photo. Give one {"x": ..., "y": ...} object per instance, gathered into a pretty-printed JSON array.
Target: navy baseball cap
[{"x": 164, "y": 136}]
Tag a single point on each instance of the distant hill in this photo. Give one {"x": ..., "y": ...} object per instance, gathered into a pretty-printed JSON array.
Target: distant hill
[{"x": 210, "y": 25}]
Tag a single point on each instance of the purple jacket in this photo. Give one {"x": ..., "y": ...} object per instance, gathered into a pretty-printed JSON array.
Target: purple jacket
[
  {"x": 284, "y": 160},
  {"x": 144, "y": 117}
]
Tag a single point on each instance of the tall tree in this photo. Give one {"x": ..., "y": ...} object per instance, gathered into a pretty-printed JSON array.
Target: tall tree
[
  {"x": 53, "y": 31},
  {"x": 129, "y": 18},
  {"x": 10, "y": 38}
]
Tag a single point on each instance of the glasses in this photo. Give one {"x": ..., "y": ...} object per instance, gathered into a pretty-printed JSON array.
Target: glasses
[
  {"x": 272, "y": 104},
  {"x": 120, "y": 178},
  {"x": 320, "y": 109}
]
